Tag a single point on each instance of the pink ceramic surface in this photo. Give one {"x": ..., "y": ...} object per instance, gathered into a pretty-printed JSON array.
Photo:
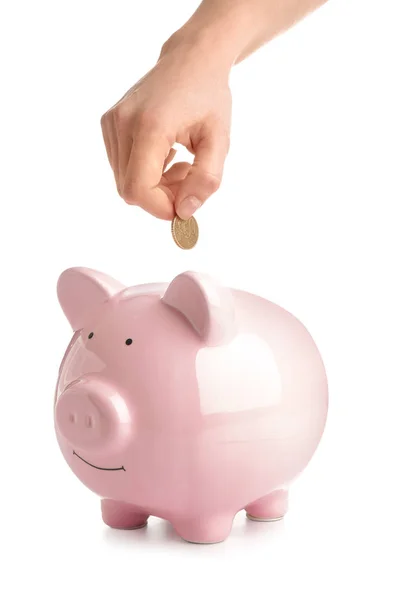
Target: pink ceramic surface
[{"x": 187, "y": 401}]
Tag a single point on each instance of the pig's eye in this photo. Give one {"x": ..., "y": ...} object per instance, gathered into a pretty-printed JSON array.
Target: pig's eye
[
  {"x": 91, "y": 335},
  {"x": 128, "y": 342}
]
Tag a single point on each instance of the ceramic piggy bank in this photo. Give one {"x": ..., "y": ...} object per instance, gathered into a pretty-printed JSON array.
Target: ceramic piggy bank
[{"x": 188, "y": 401}]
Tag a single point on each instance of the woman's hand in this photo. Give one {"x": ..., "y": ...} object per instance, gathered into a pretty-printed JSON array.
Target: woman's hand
[{"x": 184, "y": 99}]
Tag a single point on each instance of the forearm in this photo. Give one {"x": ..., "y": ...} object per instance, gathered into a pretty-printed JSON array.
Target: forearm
[{"x": 233, "y": 29}]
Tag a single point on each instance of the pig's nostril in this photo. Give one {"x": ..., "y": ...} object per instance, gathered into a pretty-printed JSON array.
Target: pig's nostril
[
  {"x": 72, "y": 418},
  {"x": 88, "y": 422}
]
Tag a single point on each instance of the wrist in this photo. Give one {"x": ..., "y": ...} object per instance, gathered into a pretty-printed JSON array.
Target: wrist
[
  {"x": 199, "y": 45},
  {"x": 218, "y": 39}
]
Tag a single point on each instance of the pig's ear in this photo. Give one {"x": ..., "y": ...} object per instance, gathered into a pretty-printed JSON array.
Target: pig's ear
[
  {"x": 208, "y": 306},
  {"x": 81, "y": 291}
]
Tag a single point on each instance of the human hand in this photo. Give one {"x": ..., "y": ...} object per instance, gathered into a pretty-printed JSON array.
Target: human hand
[{"x": 184, "y": 99}]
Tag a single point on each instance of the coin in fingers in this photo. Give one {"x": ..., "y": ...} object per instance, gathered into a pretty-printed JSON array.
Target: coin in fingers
[{"x": 185, "y": 233}]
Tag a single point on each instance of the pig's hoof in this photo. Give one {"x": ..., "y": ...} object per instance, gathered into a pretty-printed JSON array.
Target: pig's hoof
[
  {"x": 269, "y": 508},
  {"x": 210, "y": 530},
  {"x": 133, "y": 522},
  {"x": 252, "y": 518},
  {"x": 120, "y": 515}
]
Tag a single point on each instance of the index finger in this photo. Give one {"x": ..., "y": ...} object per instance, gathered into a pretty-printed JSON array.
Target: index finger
[{"x": 143, "y": 175}]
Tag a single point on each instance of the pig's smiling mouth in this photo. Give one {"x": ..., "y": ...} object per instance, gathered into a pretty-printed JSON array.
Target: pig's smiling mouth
[{"x": 100, "y": 468}]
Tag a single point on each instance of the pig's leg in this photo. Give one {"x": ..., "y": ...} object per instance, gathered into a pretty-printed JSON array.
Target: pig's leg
[
  {"x": 269, "y": 508},
  {"x": 204, "y": 530},
  {"x": 120, "y": 515}
]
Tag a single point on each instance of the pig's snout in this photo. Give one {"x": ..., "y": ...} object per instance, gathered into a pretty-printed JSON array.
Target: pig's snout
[{"x": 92, "y": 415}]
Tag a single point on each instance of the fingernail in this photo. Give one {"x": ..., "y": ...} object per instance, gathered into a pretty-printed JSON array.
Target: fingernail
[{"x": 187, "y": 207}]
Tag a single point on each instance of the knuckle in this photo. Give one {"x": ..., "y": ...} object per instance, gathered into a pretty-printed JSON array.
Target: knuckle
[
  {"x": 148, "y": 120},
  {"x": 129, "y": 192},
  {"x": 211, "y": 182},
  {"x": 120, "y": 115},
  {"x": 104, "y": 120}
]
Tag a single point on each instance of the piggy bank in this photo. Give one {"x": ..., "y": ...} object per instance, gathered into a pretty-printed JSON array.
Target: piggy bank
[{"x": 188, "y": 401}]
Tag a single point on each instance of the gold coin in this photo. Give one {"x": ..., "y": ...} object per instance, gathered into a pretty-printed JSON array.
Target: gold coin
[{"x": 185, "y": 233}]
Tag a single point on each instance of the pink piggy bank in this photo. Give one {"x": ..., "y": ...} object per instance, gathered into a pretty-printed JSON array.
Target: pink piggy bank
[{"x": 188, "y": 401}]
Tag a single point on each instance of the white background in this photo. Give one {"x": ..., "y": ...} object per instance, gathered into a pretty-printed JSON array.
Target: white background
[{"x": 305, "y": 217}]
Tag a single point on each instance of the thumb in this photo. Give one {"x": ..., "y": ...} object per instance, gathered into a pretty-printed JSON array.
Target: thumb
[{"x": 205, "y": 174}]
